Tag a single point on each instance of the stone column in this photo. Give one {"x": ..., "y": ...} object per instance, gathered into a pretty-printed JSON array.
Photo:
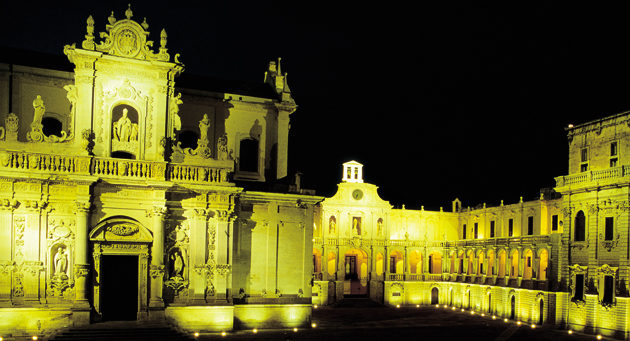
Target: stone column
[
  {"x": 157, "y": 257},
  {"x": 81, "y": 309},
  {"x": 197, "y": 256},
  {"x": 6, "y": 255},
  {"x": 221, "y": 241}
]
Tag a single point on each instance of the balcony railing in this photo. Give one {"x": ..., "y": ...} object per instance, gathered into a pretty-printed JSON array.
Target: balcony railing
[
  {"x": 112, "y": 167},
  {"x": 596, "y": 175}
]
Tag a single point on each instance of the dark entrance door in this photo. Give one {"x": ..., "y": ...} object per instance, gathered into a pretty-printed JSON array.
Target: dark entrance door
[
  {"x": 512, "y": 307},
  {"x": 435, "y": 298},
  {"x": 119, "y": 288},
  {"x": 541, "y": 312}
]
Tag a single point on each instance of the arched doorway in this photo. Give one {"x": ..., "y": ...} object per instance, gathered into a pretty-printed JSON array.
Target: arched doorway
[
  {"x": 355, "y": 281},
  {"x": 541, "y": 311},
  {"x": 435, "y": 296},
  {"x": 120, "y": 275},
  {"x": 512, "y": 307},
  {"x": 489, "y": 303}
]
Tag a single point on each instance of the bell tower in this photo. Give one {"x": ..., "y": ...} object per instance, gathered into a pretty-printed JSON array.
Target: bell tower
[{"x": 352, "y": 172}]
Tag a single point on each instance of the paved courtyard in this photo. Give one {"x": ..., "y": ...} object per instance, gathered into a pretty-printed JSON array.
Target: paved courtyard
[{"x": 427, "y": 323}]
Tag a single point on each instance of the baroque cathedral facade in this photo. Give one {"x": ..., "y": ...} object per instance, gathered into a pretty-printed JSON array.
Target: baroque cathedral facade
[
  {"x": 121, "y": 197},
  {"x": 118, "y": 197}
]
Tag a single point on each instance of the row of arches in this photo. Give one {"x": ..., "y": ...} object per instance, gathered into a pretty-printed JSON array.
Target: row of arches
[
  {"x": 356, "y": 262},
  {"x": 528, "y": 265}
]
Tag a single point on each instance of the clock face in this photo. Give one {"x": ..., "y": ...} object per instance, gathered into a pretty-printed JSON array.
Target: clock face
[{"x": 357, "y": 194}]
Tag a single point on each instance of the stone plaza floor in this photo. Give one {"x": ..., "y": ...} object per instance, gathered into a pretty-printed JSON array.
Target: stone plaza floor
[{"x": 389, "y": 324}]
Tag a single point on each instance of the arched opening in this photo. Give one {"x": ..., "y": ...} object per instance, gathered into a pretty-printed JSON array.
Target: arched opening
[
  {"x": 123, "y": 155},
  {"x": 435, "y": 296},
  {"x": 435, "y": 263},
  {"x": 544, "y": 261},
  {"x": 527, "y": 268},
  {"x": 512, "y": 307},
  {"x": 480, "y": 258},
  {"x": 331, "y": 264},
  {"x": 317, "y": 261},
  {"x": 541, "y": 312},
  {"x": 468, "y": 300},
  {"x": 460, "y": 267},
  {"x": 452, "y": 267},
  {"x": 188, "y": 139},
  {"x": 124, "y": 124},
  {"x": 356, "y": 272},
  {"x": 51, "y": 126},
  {"x": 502, "y": 259},
  {"x": 248, "y": 155},
  {"x": 491, "y": 270},
  {"x": 415, "y": 262},
  {"x": 489, "y": 303},
  {"x": 379, "y": 264},
  {"x": 514, "y": 265},
  {"x": 396, "y": 265},
  {"x": 450, "y": 295},
  {"x": 471, "y": 263},
  {"x": 580, "y": 227}
]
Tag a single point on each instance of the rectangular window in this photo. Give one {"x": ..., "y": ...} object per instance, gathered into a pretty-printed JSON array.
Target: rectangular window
[
  {"x": 510, "y": 227},
  {"x": 609, "y": 287},
  {"x": 610, "y": 228},
  {"x": 554, "y": 222},
  {"x": 613, "y": 162},
  {"x": 461, "y": 266},
  {"x": 530, "y": 226},
  {"x": 584, "y": 160},
  {"x": 584, "y": 157},
  {"x": 529, "y": 262},
  {"x": 579, "y": 288},
  {"x": 392, "y": 265},
  {"x": 613, "y": 149},
  {"x": 464, "y": 232},
  {"x": 492, "y": 229},
  {"x": 476, "y": 230}
]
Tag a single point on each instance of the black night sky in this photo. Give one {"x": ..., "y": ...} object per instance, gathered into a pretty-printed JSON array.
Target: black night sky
[{"x": 438, "y": 102}]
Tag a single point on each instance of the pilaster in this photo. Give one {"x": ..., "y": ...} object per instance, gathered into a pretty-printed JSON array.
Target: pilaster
[
  {"x": 81, "y": 264},
  {"x": 156, "y": 269}
]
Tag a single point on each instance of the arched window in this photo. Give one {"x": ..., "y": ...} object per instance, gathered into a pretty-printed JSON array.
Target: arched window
[
  {"x": 248, "y": 156},
  {"x": 580, "y": 227},
  {"x": 188, "y": 139},
  {"x": 51, "y": 126}
]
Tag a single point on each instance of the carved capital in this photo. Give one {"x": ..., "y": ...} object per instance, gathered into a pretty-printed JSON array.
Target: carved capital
[
  {"x": 226, "y": 215},
  {"x": 82, "y": 207},
  {"x": 81, "y": 270},
  {"x": 158, "y": 212},
  {"x": 8, "y": 205},
  {"x": 197, "y": 213},
  {"x": 222, "y": 269},
  {"x": 157, "y": 271}
]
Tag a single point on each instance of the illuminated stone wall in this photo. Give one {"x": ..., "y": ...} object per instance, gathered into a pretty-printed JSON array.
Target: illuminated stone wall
[{"x": 139, "y": 168}]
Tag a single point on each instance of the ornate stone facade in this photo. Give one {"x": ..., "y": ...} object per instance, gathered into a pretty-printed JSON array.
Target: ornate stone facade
[{"x": 146, "y": 190}]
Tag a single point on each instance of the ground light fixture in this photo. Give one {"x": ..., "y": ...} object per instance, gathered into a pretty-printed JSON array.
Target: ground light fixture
[
  {"x": 397, "y": 305},
  {"x": 519, "y": 323},
  {"x": 472, "y": 313},
  {"x": 599, "y": 337},
  {"x": 482, "y": 314},
  {"x": 437, "y": 305},
  {"x": 453, "y": 308},
  {"x": 255, "y": 331},
  {"x": 504, "y": 320},
  {"x": 35, "y": 338},
  {"x": 315, "y": 306},
  {"x": 313, "y": 325},
  {"x": 494, "y": 317},
  {"x": 196, "y": 334},
  {"x": 570, "y": 332},
  {"x": 533, "y": 326},
  {"x": 462, "y": 309},
  {"x": 445, "y": 306},
  {"x": 223, "y": 334},
  {"x": 417, "y": 306}
]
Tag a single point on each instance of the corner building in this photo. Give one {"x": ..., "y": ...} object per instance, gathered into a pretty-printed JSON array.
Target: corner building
[
  {"x": 559, "y": 260},
  {"x": 118, "y": 197}
]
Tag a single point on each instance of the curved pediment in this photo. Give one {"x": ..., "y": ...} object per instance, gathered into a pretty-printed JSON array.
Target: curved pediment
[{"x": 120, "y": 230}]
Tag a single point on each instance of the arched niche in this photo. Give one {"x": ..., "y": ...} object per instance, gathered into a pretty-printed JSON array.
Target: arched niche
[{"x": 121, "y": 236}]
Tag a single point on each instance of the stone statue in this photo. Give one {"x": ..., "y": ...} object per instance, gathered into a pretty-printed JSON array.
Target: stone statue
[
  {"x": 178, "y": 265},
  {"x": 333, "y": 227},
  {"x": 40, "y": 109},
  {"x": 134, "y": 132},
  {"x": 203, "y": 128},
  {"x": 355, "y": 226},
  {"x": 379, "y": 226},
  {"x": 174, "y": 111},
  {"x": 61, "y": 261},
  {"x": 122, "y": 128}
]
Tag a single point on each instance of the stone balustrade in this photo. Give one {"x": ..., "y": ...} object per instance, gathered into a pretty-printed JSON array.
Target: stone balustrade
[
  {"x": 357, "y": 242},
  {"x": 112, "y": 168},
  {"x": 595, "y": 175}
]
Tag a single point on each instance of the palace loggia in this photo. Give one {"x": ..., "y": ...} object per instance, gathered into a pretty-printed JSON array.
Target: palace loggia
[{"x": 122, "y": 196}]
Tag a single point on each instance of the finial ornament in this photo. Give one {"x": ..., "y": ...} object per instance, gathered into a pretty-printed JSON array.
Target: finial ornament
[
  {"x": 145, "y": 24},
  {"x": 128, "y": 12},
  {"x": 111, "y": 19},
  {"x": 88, "y": 43}
]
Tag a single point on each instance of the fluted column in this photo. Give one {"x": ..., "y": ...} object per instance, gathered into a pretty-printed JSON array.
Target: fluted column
[
  {"x": 159, "y": 214},
  {"x": 81, "y": 264}
]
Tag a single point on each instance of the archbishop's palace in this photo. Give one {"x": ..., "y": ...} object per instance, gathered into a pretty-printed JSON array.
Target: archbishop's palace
[{"x": 122, "y": 198}]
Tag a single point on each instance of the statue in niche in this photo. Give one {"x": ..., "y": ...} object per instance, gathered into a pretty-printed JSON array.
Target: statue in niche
[
  {"x": 123, "y": 128},
  {"x": 61, "y": 261},
  {"x": 379, "y": 227},
  {"x": 203, "y": 128},
  {"x": 178, "y": 265},
  {"x": 223, "y": 150},
  {"x": 40, "y": 109},
  {"x": 174, "y": 111},
  {"x": 332, "y": 225},
  {"x": 356, "y": 226}
]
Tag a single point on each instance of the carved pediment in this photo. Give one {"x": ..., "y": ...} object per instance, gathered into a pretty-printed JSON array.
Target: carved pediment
[
  {"x": 120, "y": 230},
  {"x": 126, "y": 38}
]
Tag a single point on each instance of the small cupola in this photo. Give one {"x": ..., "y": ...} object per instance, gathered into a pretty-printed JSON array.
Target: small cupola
[{"x": 352, "y": 172}]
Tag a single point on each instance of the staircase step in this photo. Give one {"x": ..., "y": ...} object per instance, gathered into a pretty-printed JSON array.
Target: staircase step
[{"x": 121, "y": 332}]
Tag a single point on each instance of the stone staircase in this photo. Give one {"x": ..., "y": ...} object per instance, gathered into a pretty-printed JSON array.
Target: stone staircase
[
  {"x": 357, "y": 303},
  {"x": 121, "y": 331}
]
